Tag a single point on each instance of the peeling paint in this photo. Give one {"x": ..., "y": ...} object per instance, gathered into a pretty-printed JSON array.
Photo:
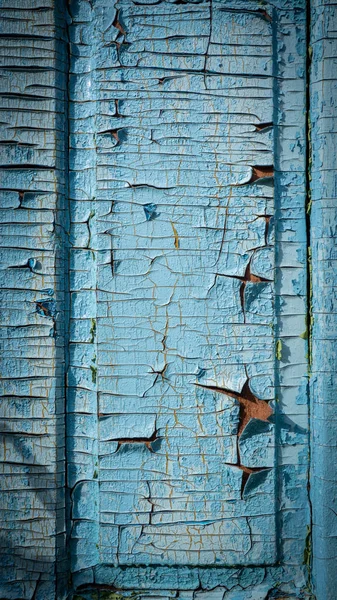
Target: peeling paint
[
  {"x": 185, "y": 342},
  {"x": 33, "y": 280}
]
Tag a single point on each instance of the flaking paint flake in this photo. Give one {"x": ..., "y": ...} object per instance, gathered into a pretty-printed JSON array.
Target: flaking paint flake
[{"x": 178, "y": 166}]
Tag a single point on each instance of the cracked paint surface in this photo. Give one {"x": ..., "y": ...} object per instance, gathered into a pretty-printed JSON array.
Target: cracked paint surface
[
  {"x": 181, "y": 255},
  {"x": 184, "y": 345},
  {"x": 177, "y": 165},
  {"x": 323, "y": 313},
  {"x": 33, "y": 150}
]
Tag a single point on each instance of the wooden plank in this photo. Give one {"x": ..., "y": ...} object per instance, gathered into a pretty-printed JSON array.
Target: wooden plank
[
  {"x": 32, "y": 278},
  {"x": 323, "y": 310}
]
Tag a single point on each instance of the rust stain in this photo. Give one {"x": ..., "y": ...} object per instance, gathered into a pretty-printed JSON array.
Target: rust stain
[
  {"x": 116, "y": 23},
  {"x": 261, "y": 172}
]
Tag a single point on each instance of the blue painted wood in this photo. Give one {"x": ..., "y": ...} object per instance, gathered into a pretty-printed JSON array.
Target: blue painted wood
[
  {"x": 171, "y": 190},
  {"x": 324, "y": 320},
  {"x": 33, "y": 284},
  {"x": 182, "y": 252}
]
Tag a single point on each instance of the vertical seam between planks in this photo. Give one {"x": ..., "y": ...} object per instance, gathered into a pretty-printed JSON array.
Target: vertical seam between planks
[
  {"x": 67, "y": 23},
  {"x": 308, "y": 163}
]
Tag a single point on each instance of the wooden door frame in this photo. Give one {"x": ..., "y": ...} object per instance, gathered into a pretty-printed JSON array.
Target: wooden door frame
[
  {"x": 50, "y": 18},
  {"x": 322, "y": 164}
]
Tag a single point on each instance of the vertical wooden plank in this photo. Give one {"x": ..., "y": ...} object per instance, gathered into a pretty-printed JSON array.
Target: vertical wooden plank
[
  {"x": 31, "y": 565},
  {"x": 82, "y": 403},
  {"x": 120, "y": 42},
  {"x": 33, "y": 281},
  {"x": 323, "y": 218}
]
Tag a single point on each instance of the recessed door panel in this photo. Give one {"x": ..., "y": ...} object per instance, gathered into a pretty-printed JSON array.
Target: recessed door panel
[{"x": 175, "y": 336}]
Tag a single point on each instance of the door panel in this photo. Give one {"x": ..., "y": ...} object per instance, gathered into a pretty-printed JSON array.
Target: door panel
[
  {"x": 154, "y": 301},
  {"x": 175, "y": 338}
]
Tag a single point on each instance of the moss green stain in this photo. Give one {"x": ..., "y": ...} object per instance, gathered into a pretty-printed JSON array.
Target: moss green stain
[
  {"x": 307, "y": 549},
  {"x": 103, "y": 595},
  {"x": 310, "y": 309},
  {"x": 91, "y": 216},
  {"x": 305, "y": 334},
  {"x": 92, "y": 331},
  {"x": 307, "y": 561},
  {"x": 93, "y": 373}
]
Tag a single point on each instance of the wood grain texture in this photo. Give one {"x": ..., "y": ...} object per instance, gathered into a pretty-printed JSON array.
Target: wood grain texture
[{"x": 323, "y": 98}]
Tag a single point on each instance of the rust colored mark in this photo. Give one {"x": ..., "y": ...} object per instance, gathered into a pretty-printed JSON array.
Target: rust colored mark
[
  {"x": 264, "y": 14},
  {"x": 147, "y": 441},
  {"x": 263, "y": 126},
  {"x": 116, "y": 23},
  {"x": 266, "y": 233},
  {"x": 113, "y": 132},
  {"x": 161, "y": 372},
  {"x": 46, "y": 308},
  {"x": 21, "y": 198},
  {"x": 251, "y": 407},
  {"x": 117, "y": 114},
  {"x": 261, "y": 172},
  {"x": 249, "y": 276}
]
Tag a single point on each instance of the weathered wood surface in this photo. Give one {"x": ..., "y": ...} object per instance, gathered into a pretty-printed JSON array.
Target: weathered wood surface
[
  {"x": 182, "y": 117},
  {"x": 180, "y": 252},
  {"x": 323, "y": 103},
  {"x": 186, "y": 355},
  {"x": 32, "y": 278}
]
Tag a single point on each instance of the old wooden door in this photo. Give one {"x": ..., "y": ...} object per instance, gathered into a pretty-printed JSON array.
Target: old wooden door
[{"x": 156, "y": 342}]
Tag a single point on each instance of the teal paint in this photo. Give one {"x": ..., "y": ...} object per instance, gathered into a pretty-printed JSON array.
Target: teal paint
[
  {"x": 323, "y": 327},
  {"x": 33, "y": 280},
  {"x": 143, "y": 147},
  {"x": 178, "y": 264}
]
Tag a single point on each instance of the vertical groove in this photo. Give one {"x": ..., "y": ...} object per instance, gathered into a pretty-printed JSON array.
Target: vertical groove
[
  {"x": 277, "y": 196},
  {"x": 308, "y": 162},
  {"x": 67, "y": 23}
]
